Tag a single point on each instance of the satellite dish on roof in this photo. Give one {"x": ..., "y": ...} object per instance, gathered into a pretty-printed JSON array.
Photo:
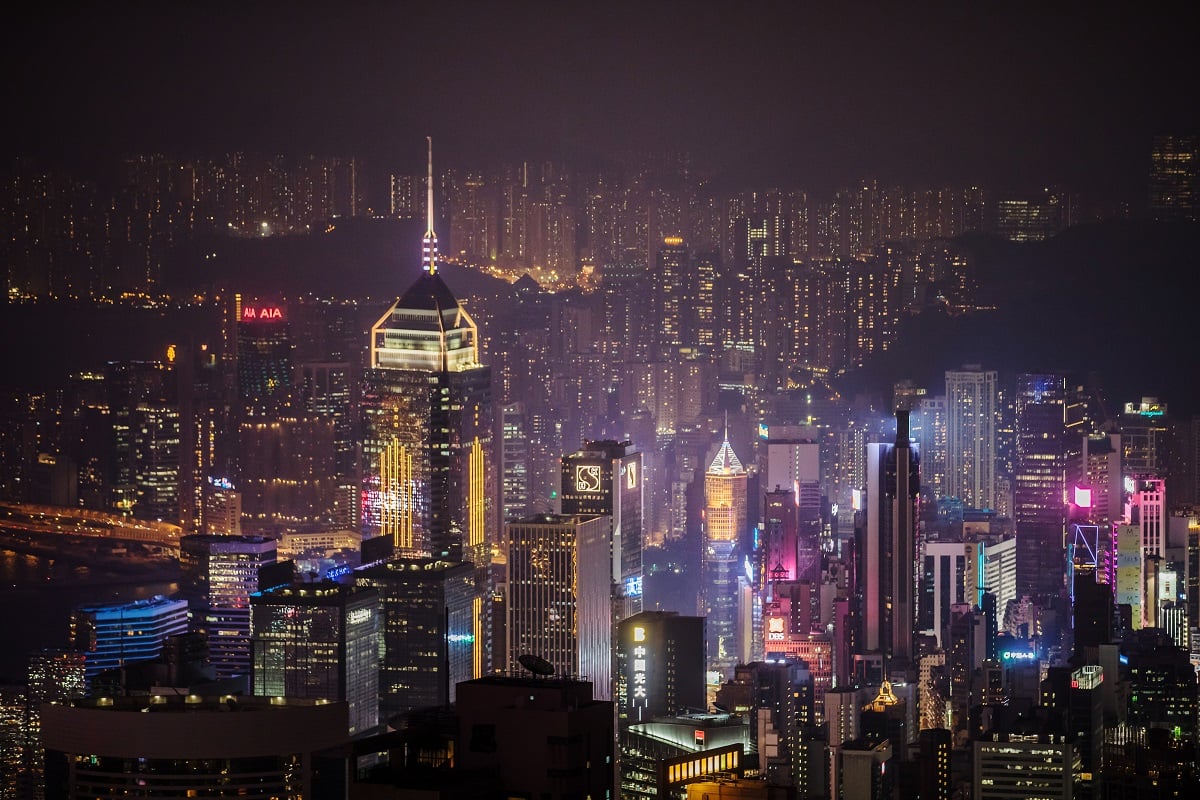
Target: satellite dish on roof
[{"x": 536, "y": 664}]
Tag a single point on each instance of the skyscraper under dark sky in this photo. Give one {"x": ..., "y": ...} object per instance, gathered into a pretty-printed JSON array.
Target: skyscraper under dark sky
[
  {"x": 427, "y": 457},
  {"x": 606, "y": 478}
]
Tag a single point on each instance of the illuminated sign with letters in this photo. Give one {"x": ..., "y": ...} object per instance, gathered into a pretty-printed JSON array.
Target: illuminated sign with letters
[
  {"x": 776, "y": 631},
  {"x": 261, "y": 313},
  {"x": 637, "y": 693}
]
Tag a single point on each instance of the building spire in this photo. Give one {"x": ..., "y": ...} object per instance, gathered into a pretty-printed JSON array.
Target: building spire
[{"x": 429, "y": 244}]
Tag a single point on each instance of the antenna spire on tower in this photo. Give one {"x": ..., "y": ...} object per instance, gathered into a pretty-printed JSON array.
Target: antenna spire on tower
[{"x": 429, "y": 245}]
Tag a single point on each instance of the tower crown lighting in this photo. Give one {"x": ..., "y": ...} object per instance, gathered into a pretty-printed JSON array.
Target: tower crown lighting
[{"x": 429, "y": 243}]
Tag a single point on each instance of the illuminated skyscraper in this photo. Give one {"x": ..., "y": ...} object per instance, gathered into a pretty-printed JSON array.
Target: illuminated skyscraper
[
  {"x": 55, "y": 676},
  {"x": 888, "y": 551},
  {"x": 112, "y": 635},
  {"x": 971, "y": 400},
  {"x": 760, "y": 240},
  {"x": 429, "y": 632},
  {"x": 222, "y": 510},
  {"x": 1043, "y": 431},
  {"x": 287, "y": 469},
  {"x": 559, "y": 601},
  {"x": 514, "y": 462},
  {"x": 660, "y": 665},
  {"x": 1175, "y": 177},
  {"x": 429, "y": 475},
  {"x": 670, "y": 291},
  {"x": 1148, "y": 509},
  {"x": 157, "y": 456},
  {"x": 318, "y": 641},
  {"x": 219, "y": 575},
  {"x": 606, "y": 477},
  {"x": 264, "y": 354},
  {"x": 725, "y": 509}
]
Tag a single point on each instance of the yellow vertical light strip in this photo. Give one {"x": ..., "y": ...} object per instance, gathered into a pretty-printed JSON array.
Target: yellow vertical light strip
[
  {"x": 475, "y": 498},
  {"x": 477, "y": 666},
  {"x": 395, "y": 482}
]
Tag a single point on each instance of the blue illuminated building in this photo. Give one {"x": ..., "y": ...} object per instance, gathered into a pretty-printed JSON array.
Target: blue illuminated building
[{"x": 116, "y": 634}]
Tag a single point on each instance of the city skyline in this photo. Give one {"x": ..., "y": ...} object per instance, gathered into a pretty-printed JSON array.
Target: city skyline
[
  {"x": 788, "y": 94},
  {"x": 754, "y": 362}
]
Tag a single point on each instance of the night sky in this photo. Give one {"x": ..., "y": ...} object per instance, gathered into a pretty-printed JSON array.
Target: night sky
[{"x": 1010, "y": 95}]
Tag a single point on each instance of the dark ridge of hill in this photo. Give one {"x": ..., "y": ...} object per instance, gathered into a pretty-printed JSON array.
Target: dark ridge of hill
[
  {"x": 1114, "y": 303},
  {"x": 47, "y": 341},
  {"x": 352, "y": 258}
]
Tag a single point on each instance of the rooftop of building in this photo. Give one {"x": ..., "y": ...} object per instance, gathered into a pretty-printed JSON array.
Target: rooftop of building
[
  {"x": 145, "y": 604},
  {"x": 726, "y": 462},
  {"x": 182, "y": 702}
]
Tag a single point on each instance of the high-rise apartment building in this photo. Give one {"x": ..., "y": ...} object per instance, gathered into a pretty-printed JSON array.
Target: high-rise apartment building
[
  {"x": 927, "y": 427},
  {"x": 670, "y": 291},
  {"x": 514, "y": 462},
  {"x": 318, "y": 641},
  {"x": 559, "y": 604},
  {"x": 429, "y": 471},
  {"x": 971, "y": 408}
]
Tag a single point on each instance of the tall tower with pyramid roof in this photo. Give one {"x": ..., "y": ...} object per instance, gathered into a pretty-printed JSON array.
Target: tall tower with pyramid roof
[
  {"x": 725, "y": 507},
  {"x": 427, "y": 458}
]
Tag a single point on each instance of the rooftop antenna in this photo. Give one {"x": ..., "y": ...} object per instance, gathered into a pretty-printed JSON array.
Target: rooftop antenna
[{"x": 429, "y": 244}]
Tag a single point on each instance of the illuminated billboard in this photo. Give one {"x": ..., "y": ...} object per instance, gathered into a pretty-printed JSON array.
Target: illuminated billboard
[{"x": 253, "y": 313}]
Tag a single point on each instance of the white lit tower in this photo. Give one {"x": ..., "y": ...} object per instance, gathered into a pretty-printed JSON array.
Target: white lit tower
[
  {"x": 725, "y": 506},
  {"x": 429, "y": 475},
  {"x": 971, "y": 405}
]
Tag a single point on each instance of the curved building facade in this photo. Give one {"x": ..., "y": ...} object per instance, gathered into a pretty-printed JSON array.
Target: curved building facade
[{"x": 187, "y": 746}]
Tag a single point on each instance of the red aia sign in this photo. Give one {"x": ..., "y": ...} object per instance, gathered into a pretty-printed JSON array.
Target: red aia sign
[{"x": 253, "y": 314}]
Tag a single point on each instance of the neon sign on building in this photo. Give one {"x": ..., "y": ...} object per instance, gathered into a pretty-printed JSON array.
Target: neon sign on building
[
  {"x": 261, "y": 313},
  {"x": 639, "y": 666}
]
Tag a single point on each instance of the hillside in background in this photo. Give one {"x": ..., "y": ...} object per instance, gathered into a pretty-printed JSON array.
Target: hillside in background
[{"x": 1112, "y": 304}]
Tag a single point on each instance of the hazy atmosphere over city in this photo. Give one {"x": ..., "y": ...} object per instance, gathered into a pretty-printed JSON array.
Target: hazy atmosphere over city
[{"x": 1013, "y": 95}]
